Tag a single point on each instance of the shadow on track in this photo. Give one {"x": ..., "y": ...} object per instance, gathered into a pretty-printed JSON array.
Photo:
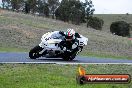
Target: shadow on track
[{"x": 54, "y": 60}]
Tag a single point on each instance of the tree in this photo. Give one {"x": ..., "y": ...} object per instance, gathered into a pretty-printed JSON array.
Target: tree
[
  {"x": 16, "y": 4},
  {"x": 43, "y": 8},
  {"x": 89, "y": 9},
  {"x": 40, "y": 7},
  {"x": 95, "y": 23},
  {"x": 32, "y": 5},
  {"x": 6, "y": 4},
  {"x": 53, "y": 4},
  {"x": 46, "y": 10},
  {"x": 27, "y": 7},
  {"x": 3, "y": 3},
  {"x": 120, "y": 28},
  {"x": 62, "y": 12},
  {"x": 74, "y": 11}
]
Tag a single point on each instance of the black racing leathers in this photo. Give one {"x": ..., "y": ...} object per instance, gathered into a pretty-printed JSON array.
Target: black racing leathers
[{"x": 68, "y": 44}]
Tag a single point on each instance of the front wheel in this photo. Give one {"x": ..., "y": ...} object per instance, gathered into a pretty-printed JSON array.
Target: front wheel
[{"x": 34, "y": 52}]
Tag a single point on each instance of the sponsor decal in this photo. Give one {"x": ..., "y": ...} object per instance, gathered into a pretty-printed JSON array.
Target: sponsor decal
[{"x": 83, "y": 78}]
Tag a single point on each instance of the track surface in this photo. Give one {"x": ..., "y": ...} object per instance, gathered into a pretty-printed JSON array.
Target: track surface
[{"x": 23, "y": 58}]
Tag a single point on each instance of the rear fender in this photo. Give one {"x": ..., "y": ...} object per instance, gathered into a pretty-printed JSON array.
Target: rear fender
[{"x": 83, "y": 41}]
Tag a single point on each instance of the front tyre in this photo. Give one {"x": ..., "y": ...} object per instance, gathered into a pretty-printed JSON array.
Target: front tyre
[{"x": 34, "y": 52}]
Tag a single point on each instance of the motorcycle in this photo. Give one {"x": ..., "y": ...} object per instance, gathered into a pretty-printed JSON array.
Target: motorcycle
[{"x": 51, "y": 48}]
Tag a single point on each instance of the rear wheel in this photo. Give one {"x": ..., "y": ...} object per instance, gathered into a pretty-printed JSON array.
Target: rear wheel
[
  {"x": 34, "y": 52},
  {"x": 67, "y": 56}
]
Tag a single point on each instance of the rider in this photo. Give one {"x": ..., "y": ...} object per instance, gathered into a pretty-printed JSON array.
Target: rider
[{"x": 68, "y": 38}]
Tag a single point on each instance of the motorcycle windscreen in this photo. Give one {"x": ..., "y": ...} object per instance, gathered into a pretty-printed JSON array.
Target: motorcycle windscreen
[{"x": 52, "y": 44}]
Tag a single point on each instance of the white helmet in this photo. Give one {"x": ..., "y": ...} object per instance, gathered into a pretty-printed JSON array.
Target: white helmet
[{"x": 70, "y": 33}]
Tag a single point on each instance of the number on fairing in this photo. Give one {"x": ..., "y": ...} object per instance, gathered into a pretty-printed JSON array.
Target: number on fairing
[
  {"x": 81, "y": 44},
  {"x": 48, "y": 38}
]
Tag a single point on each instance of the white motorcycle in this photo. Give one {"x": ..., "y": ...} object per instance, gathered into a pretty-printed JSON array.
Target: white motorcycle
[{"x": 50, "y": 48}]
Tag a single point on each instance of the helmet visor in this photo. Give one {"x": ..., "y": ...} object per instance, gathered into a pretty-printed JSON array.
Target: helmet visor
[{"x": 69, "y": 37}]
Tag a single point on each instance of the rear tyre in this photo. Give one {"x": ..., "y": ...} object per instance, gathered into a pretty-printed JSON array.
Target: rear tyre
[
  {"x": 34, "y": 52},
  {"x": 67, "y": 56}
]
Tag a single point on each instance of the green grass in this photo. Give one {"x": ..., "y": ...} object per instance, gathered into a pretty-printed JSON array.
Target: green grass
[
  {"x": 104, "y": 55},
  {"x": 56, "y": 76},
  {"x": 12, "y": 49}
]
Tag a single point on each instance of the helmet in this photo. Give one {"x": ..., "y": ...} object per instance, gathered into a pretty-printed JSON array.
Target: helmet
[{"x": 70, "y": 33}]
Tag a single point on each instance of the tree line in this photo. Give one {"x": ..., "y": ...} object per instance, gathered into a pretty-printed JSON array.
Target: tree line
[{"x": 73, "y": 11}]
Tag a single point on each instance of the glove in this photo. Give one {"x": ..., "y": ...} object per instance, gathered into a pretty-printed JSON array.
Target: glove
[
  {"x": 76, "y": 42},
  {"x": 61, "y": 45},
  {"x": 77, "y": 35},
  {"x": 62, "y": 33}
]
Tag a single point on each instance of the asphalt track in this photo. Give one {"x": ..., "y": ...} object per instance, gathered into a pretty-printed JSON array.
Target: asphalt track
[{"x": 23, "y": 58}]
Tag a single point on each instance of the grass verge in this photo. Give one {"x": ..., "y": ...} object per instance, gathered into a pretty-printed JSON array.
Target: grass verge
[
  {"x": 56, "y": 76},
  {"x": 104, "y": 55},
  {"x": 12, "y": 49}
]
